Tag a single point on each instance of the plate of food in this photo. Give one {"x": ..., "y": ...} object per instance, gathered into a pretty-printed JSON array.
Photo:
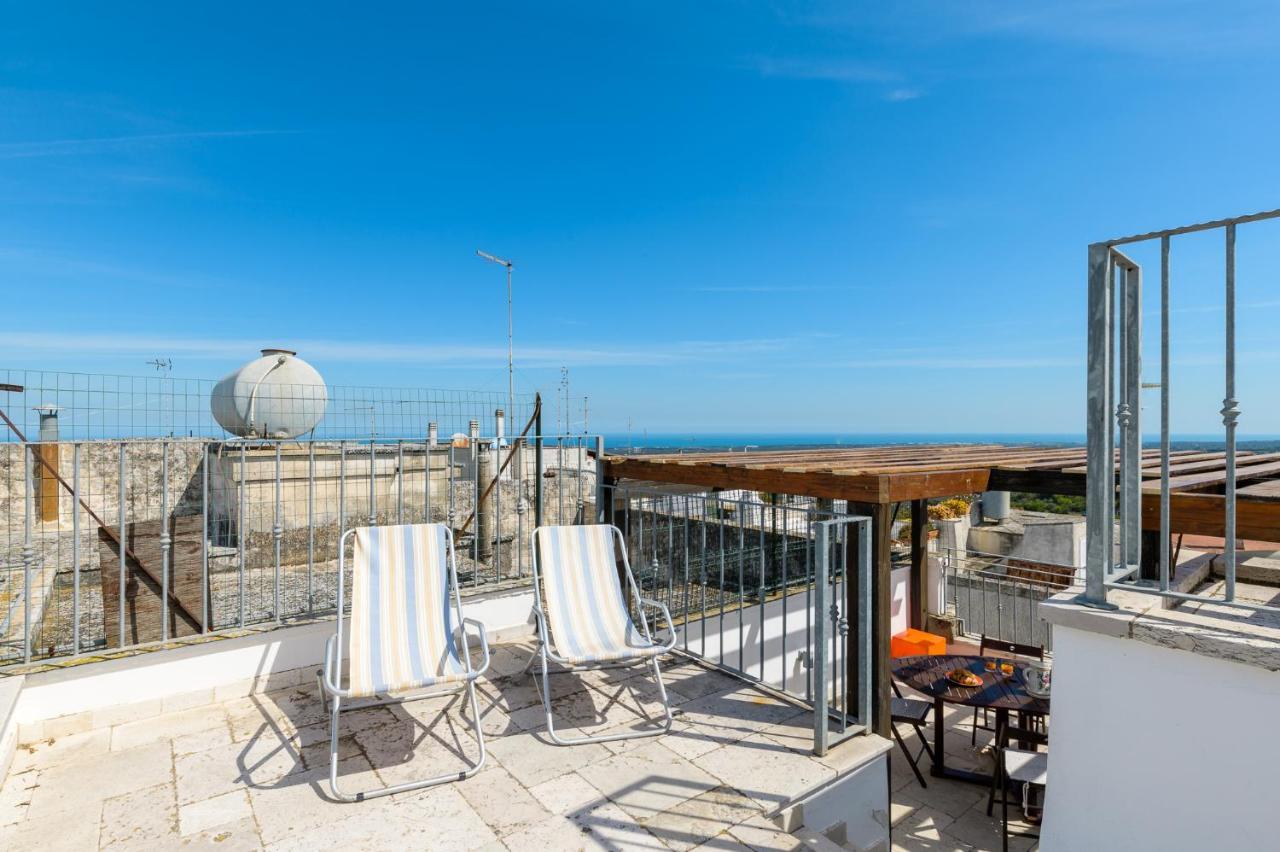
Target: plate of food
[{"x": 964, "y": 677}]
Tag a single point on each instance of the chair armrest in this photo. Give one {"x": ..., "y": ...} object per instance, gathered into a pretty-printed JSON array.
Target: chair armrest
[
  {"x": 666, "y": 614},
  {"x": 484, "y": 646},
  {"x": 331, "y": 666}
]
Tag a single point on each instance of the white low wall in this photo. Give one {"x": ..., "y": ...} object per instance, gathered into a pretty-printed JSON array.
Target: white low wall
[
  {"x": 242, "y": 664},
  {"x": 1159, "y": 749}
]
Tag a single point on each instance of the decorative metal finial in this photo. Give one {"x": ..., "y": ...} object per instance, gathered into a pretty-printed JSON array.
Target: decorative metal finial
[{"x": 1230, "y": 411}]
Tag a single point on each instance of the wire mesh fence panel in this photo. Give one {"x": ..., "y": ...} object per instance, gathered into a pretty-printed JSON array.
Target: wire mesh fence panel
[
  {"x": 109, "y": 544},
  {"x": 93, "y": 406}
]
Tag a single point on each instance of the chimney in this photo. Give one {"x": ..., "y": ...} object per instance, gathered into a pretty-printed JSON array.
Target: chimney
[{"x": 47, "y": 450}]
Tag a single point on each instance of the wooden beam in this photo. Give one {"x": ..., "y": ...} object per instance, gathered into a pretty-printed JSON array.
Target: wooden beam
[
  {"x": 1037, "y": 481},
  {"x": 916, "y": 486},
  {"x": 866, "y": 489},
  {"x": 1202, "y": 514}
]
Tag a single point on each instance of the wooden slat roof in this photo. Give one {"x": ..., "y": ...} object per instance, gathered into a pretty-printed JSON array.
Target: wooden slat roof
[{"x": 889, "y": 474}]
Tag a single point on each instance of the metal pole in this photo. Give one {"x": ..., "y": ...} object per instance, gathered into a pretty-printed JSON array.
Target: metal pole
[
  {"x": 537, "y": 466},
  {"x": 819, "y": 640},
  {"x": 28, "y": 552},
  {"x": 204, "y": 542},
  {"x": 311, "y": 524},
  {"x": 1230, "y": 414},
  {"x": 342, "y": 513},
  {"x": 1100, "y": 482},
  {"x": 511, "y": 370},
  {"x": 123, "y": 541},
  {"x": 244, "y": 453},
  {"x": 1165, "y": 568},
  {"x": 165, "y": 540},
  {"x": 277, "y": 532},
  {"x": 1131, "y": 515},
  {"x": 75, "y": 549}
]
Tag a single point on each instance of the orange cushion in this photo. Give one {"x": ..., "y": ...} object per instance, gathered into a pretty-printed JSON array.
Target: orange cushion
[{"x": 913, "y": 643}]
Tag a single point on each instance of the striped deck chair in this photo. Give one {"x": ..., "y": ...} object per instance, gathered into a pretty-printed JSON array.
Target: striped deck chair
[
  {"x": 582, "y": 618},
  {"x": 405, "y": 608}
]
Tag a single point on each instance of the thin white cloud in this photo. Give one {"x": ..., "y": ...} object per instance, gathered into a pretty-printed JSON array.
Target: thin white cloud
[
  {"x": 943, "y": 363},
  {"x": 898, "y": 95},
  {"x": 456, "y": 355},
  {"x": 770, "y": 288},
  {"x": 69, "y": 147},
  {"x": 832, "y": 70}
]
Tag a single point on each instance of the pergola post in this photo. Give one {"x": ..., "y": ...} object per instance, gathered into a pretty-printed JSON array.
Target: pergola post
[{"x": 919, "y": 563}]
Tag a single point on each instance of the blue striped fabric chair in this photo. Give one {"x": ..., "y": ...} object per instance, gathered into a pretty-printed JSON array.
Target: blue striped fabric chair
[
  {"x": 407, "y": 634},
  {"x": 581, "y": 615}
]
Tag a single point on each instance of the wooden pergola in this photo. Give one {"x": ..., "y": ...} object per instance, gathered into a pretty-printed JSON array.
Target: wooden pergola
[{"x": 876, "y": 479}]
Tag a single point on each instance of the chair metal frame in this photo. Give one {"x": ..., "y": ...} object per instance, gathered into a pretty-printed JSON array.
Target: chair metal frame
[
  {"x": 546, "y": 655},
  {"x": 1013, "y": 649},
  {"x": 330, "y": 677},
  {"x": 1000, "y": 779},
  {"x": 895, "y": 719}
]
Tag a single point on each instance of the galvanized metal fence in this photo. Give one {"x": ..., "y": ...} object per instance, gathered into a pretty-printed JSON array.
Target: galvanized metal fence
[
  {"x": 108, "y": 544},
  {"x": 1114, "y": 411},
  {"x": 94, "y": 406},
  {"x": 757, "y": 587},
  {"x": 999, "y": 596}
]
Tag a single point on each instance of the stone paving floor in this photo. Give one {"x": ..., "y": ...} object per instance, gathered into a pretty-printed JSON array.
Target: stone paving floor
[
  {"x": 949, "y": 815},
  {"x": 252, "y": 774}
]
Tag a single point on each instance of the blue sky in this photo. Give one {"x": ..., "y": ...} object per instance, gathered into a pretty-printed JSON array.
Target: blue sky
[{"x": 724, "y": 216}]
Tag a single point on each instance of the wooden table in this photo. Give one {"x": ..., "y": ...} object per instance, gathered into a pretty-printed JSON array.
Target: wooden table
[{"x": 928, "y": 675}]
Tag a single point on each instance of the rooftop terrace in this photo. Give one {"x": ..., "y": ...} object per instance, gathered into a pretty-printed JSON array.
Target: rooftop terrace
[{"x": 251, "y": 772}]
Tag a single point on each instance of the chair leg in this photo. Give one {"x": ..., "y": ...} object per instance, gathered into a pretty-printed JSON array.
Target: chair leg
[
  {"x": 924, "y": 741},
  {"x": 1004, "y": 821},
  {"x": 544, "y": 689},
  {"x": 973, "y": 734},
  {"x": 903, "y": 745},
  {"x": 344, "y": 796}
]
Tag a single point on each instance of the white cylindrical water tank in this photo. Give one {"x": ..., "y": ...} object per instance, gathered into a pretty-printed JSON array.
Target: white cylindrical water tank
[{"x": 278, "y": 395}]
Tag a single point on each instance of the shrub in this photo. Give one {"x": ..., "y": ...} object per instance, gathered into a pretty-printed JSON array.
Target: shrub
[{"x": 955, "y": 507}]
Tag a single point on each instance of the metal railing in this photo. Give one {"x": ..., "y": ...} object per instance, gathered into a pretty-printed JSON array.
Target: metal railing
[
  {"x": 94, "y": 406},
  {"x": 757, "y": 588},
  {"x": 105, "y": 545},
  {"x": 999, "y": 596},
  {"x": 1114, "y": 409}
]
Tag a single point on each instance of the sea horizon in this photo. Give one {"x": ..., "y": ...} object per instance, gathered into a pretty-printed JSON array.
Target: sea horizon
[{"x": 749, "y": 441}]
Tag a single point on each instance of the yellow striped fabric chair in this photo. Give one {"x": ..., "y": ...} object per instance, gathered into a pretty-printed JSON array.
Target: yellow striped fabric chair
[
  {"x": 582, "y": 617},
  {"x": 406, "y": 634}
]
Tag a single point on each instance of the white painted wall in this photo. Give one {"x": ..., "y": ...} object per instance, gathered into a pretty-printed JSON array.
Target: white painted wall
[
  {"x": 209, "y": 665},
  {"x": 783, "y": 640},
  {"x": 1159, "y": 749},
  {"x": 754, "y": 626}
]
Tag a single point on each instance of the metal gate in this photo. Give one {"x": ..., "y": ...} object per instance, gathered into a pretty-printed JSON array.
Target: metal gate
[{"x": 757, "y": 588}]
